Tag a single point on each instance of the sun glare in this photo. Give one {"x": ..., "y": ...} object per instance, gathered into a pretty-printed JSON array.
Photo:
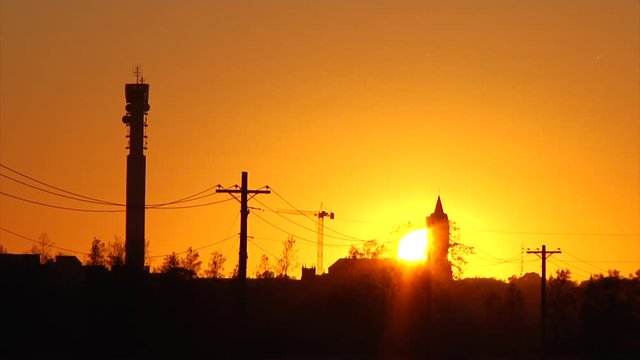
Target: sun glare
[{"x": 413, "y": 246}]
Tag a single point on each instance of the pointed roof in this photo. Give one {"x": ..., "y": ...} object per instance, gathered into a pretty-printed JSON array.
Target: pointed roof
[{"x": 439, "y": 209}]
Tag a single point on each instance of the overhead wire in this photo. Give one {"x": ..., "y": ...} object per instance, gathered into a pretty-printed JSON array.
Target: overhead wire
[
  {"x": 283, "y": 230},
  {"x": 574, "y": 268},
  {"x": 59, "y": 207},
  {"x": 109, "y": 211},
  {"x": 231, "y": 248},
  {"x": 263, "y": 249},
  {"x": 298, "y": 224},
  {"x": 297, "y": 236},
  {"x": 582, "y": 261},
  {"x": 235, "y": 234},
  {"x": 315, "y": 221},
  {"x": 553, "y": 233},
  {"x": 193, "y": 249},
  {"x": 55, "y": 193},
  {"x": 514, "y": 258},
  {"x": 193, "y": 197},
  {"x": 41, "y": 242},
  {"x": 189, "y": 206},
  {"x": 60, "y": 189},
  {"x": 79, "y": 197}
]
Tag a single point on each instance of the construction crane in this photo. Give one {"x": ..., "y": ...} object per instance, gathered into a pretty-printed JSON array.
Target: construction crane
[{"x": 320, "y": 214}]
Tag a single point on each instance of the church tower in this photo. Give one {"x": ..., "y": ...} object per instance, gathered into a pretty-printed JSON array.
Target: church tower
[{"x": 438, "y": 228}]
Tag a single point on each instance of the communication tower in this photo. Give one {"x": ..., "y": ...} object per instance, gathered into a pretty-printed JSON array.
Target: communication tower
[{"x": 137, "y": 97}]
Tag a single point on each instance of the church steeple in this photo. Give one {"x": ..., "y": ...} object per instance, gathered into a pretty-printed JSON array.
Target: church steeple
[
  {"x": 439, "y": 209},
  {"x": 438, "y": 249}
]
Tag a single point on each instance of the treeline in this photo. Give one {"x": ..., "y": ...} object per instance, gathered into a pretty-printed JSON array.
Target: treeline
[{"x": 187, "y": 264}]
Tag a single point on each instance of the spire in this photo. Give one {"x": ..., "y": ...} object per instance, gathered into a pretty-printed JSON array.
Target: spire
[{"x": 439, "y": 209}]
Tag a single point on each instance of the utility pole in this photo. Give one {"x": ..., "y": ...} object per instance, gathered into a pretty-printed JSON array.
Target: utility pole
[
  {"x": 521, "y": 258},
  {"x": 244, "y": 214},
  {"x": 321, "y": 214},
  {"x": 543, "y": 254}
]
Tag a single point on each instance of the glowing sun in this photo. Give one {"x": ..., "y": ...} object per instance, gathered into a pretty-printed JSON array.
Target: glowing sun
[{"x": 413, "y": 246}]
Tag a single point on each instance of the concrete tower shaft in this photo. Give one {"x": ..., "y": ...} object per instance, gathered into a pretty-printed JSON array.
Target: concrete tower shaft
[{"x": 137, "y": 97}]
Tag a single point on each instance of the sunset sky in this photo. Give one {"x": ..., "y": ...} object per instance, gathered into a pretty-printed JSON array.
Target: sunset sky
[{"x": 524, "y": 116}]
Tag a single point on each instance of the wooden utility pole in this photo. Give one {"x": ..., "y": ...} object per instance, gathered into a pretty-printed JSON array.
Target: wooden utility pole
[
  {"x": 543, "y": 254},
  {"x": 244, "y": 214}
]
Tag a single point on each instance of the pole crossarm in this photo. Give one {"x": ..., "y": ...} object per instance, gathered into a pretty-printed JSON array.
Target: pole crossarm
[
  {"x": 239, "y": 191},
  {"x": 544, "y": 253}
]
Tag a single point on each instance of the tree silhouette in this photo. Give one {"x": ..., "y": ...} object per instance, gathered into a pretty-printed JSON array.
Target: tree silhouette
[
  {"x": 147, "y": 254},
  {"x": 368, "y": 250},
  {"x": 264, "y": 270},
  {"x": 115, "y": 253},
  {"x": 170, "y": 262},
  {"x": 562, "y": 302},
  {"x": 43, "y": 248},
  {"x": 288, "y": 258},
  {"x": 191, "y": 262},
  {"x": 96, "y": 256},
  {"x": 458, "y": 252},
  {"x": 235, "y": 271},
  {"x": 216, "y": 265},
  {"x": 3, "y": 250}
]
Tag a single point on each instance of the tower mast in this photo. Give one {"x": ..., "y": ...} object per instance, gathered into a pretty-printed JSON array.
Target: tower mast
[{"x": 137, "y": 98}]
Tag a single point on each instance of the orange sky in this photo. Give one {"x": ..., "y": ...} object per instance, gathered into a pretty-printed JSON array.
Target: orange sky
[{"x": 523, "y": 115}]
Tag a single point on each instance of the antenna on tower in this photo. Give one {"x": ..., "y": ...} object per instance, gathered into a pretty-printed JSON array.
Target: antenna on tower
[{"x": 137, "y": 72}]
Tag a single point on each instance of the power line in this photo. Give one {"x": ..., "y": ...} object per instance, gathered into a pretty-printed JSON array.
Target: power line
[
  {"x": 188, "y": 206},
  {"x": 54, "y": 193},
  {"x": 315, "y": 221},
  {"x": 495, "y": 262},
  {"x": 161, "y": 207},
  {"x": 514, "y": 258},
  {"x": 231, "y": 248},
  {"x": 59, "y": 189},
  {"x": 574, "y": 268},
  {"x": 303, "y": 242},
  {"x": 296, "y": 236},
  {"x": 189, "y": 198},
  {"x": 503, "y": 263},
  {"x": 554, "y": 233},
  {"x": 281, "y": 229},
  {"x": 595, "y": 266},
  {"x": 60, "y": 207},
  {"x": 355, "y": 221},
  {"x": 263, "y": 249},
  {"x": 89, "y": 199},
  {"x": 604, "y": 261},
  {"x": 298, "y": 224},
  {"x": 196, "y": 249},
  {"x": 40, "y": 242}
]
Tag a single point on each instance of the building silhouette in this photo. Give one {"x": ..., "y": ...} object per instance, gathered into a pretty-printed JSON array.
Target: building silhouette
[
  {"x": 351, "y": 269},
  {"x": 438, "y": 249}
]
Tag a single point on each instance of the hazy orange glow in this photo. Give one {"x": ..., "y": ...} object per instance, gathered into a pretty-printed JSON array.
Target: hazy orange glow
[
  {"x": 413, "y": 246},
  {"x": 523, "y": 115}
]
